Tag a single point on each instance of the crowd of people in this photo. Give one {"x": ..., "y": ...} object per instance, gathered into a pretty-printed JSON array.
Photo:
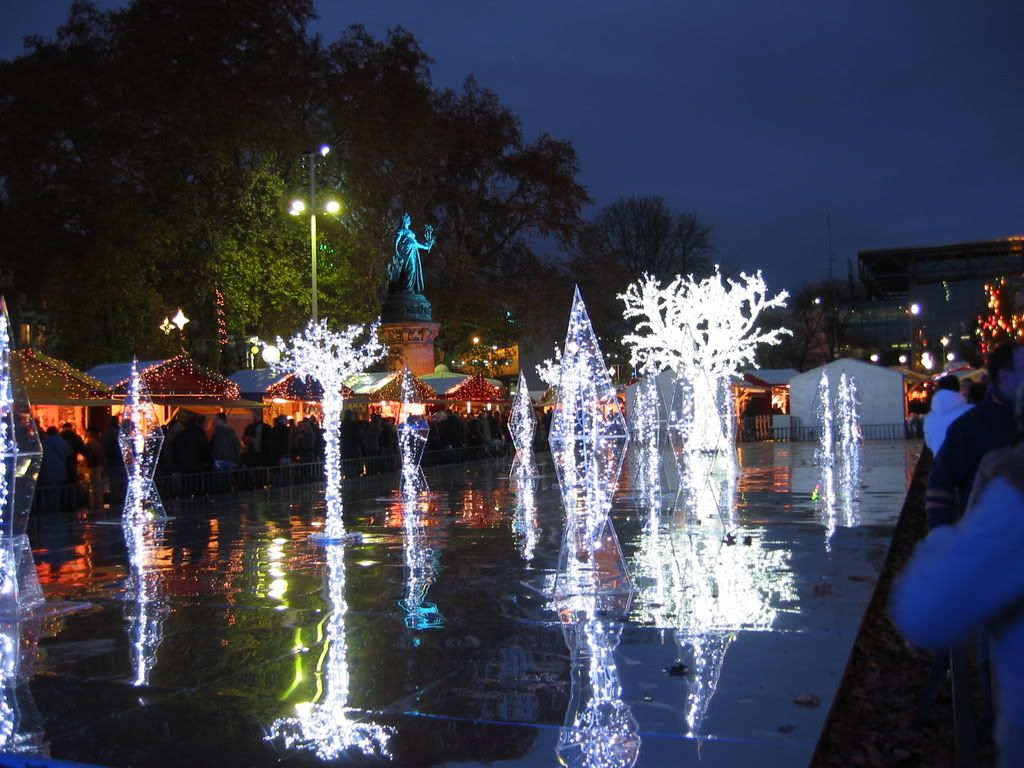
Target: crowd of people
[
  {"x": 201, "y": 455},
  {"x": 964, "y": 587}
]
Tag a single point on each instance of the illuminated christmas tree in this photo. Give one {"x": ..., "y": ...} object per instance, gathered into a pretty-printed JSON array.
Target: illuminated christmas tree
[{"x": 1003, "y": 322}]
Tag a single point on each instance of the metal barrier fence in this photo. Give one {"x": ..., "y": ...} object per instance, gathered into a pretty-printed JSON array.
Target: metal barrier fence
[
  {"x": 74, "y": 496},
  {"x": 757, "y": 431}
]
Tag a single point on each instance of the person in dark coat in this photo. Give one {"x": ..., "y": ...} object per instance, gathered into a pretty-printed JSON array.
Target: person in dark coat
[
  {"x": 280, "y": 442},
  {"x": 256, "y": 442},
  {"x": 77, "y": 446},
  {"x": 987, "y": 426},
  {"x": 53, "y": 471},
  {"x": 113, "y": 460}
]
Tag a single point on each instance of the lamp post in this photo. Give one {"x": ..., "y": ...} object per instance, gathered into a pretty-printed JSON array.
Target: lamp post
[{"x": 298, "y": 206}]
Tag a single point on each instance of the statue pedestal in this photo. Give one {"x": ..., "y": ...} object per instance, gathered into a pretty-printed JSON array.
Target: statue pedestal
[
  {"x": 408, "y": 329},
  {"x": 412, "y": 343}
]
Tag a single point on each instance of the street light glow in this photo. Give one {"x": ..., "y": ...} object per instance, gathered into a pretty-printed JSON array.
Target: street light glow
[
  {"x": 297, "y": 207},
  {"x": 915, "y": 308},
  {"x": 874, "y": 358},
  {"x": 332, "y": 206},
  {"x": 324, "y": 149},
  {"x": 271, "y": 354}
]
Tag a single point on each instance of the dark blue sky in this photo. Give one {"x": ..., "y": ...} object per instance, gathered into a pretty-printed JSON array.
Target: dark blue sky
[{"x": 904, "y": 119}]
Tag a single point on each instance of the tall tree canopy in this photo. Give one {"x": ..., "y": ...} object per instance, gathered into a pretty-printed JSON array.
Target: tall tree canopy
[
  {"x": 631, "y": 237},
  {"x": 147, "y": 155}
]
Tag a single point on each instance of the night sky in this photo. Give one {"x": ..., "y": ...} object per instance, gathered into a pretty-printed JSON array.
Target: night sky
[{"x": 904, "y": 120}]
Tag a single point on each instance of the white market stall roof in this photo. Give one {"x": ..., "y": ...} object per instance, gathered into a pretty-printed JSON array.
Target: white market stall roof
[
  {"x": 880, "y": 391},
  {"x": 772, "y": 377},
  {"x": 365, "y": 383},
  {"x": 254, "y": 383},
  {"x": 114, "y": 373}
]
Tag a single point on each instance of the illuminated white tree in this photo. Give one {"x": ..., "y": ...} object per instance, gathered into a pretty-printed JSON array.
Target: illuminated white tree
[
  {"x": 551, "y": 369},
  {"x": 331, "y": 357},
  {"x": 704, "y": 331}
]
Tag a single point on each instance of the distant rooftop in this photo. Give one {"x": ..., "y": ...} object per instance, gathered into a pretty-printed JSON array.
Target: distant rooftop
[{"x": 893, "y": 272}]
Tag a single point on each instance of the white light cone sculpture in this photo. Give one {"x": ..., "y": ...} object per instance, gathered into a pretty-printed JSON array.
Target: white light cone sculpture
[
  {"x": 331, "y": 358},
  {"x": 647, "y": 444},
  {"x": 413, "y": 431},
  {"x": 421, "y": 569},
  {"x": 525, "y": 522},
  {"x": 588, "y": 440},
  {"x": 838, "y": 456},
  {"x": 140, "y": 438},
  {"x": 148, "y": 608},
  {"x": 522, "y": 424},
  {"x": 326, "y": 726},
  {"x": 600, "y": 730},
  {"x": 826, "y": 451},
  {"x": 21, "y": 455}
]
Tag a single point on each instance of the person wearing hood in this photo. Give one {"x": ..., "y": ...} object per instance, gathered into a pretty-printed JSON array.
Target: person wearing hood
[
  {"x": 968, "y": 579},
  {"x": 948, "y": 405},
  {"x": 983, "y": 428}
]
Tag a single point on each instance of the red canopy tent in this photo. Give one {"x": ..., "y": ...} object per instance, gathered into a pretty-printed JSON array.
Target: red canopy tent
[
  {"x": 476, "y": 389},
  {"x": 304, "y": 388}
]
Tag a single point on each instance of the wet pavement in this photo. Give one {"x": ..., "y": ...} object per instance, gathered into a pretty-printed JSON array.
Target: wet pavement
[{"x": 231, "y": 635}]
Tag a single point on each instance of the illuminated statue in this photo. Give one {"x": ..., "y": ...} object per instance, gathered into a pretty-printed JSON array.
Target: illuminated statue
[
  {"x": 21, "y": 455},
  {"x": 405, "y": 272},
  {"x": 704, "y": 331},
  {"x": 140, "y": 438},
  {"x": 331, "y": 358}
]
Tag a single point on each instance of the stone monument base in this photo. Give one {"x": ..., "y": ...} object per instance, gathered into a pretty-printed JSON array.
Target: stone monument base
[{"x": 411, "y": 343}]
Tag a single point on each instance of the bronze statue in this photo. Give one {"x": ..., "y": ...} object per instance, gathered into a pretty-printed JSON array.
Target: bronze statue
[{"x": 405, "y": 272}]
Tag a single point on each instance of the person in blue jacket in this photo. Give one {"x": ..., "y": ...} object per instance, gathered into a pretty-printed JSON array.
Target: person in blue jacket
[{"x": 968, "y": 578}]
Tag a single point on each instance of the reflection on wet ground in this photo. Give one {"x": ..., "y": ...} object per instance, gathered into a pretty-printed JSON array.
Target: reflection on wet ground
[{"x": 228, "y": 635}]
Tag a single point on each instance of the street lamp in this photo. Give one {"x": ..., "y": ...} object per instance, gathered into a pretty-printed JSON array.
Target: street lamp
[{"x": 299, "y": 206}]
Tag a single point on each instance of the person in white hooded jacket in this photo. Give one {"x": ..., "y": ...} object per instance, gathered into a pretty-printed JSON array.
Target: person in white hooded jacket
[{"x": 948, "y": 405}]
